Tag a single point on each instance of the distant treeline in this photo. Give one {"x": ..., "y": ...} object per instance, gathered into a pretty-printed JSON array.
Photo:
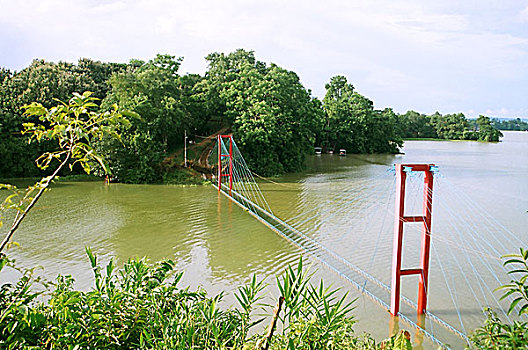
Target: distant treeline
[
  {"x": 516, "y": 124},
  {"x": 274, "y": 118},
  {"x": 448, "y": 127}
]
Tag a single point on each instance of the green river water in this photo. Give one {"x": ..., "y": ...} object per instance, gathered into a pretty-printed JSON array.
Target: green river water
[{"x": 219, "y": 246}]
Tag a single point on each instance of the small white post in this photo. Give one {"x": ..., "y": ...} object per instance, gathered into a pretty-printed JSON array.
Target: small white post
[{"x": 185, "y": 150}]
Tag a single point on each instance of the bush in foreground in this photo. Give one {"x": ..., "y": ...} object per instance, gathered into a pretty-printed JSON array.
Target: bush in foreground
[{"x": 142, "y": 306}]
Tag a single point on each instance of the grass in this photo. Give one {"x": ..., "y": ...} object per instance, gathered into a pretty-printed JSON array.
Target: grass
[{"x": 183, "y": 177}]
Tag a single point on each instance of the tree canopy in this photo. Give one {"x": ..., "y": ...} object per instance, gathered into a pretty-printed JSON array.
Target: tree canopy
[
  {"x": 352, "y": 123},
  {"x": 272, "y": 115},
  {"x": 274, "y": 118},
  {"x": 448, "y": 127}
]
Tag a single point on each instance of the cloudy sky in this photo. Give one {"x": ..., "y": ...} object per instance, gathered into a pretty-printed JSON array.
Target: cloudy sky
[{"x": 447, "y": 55}]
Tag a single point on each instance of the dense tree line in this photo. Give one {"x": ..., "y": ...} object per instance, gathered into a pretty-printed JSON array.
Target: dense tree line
[
  {"x": 42, "y": 82},
  {"x": 274, "y": 118},
  {"x": 449, "y": 127},
  {"x": 351, "y": 122},
  {"x": 516, "y": 124}
]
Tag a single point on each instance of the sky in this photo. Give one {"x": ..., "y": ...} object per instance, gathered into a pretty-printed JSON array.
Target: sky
[{"x": 426, "y": 55}]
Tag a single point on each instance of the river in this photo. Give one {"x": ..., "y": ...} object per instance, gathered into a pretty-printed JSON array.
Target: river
[{"x": 219, "y": 245}]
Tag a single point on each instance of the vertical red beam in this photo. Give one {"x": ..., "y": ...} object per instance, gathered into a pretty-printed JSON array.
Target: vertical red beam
[
  {"x": 219, "y": 163},
  {"x": 399, "y": 220},
  {"x": 398, "y": 239},
  {"x": 230, "y": 163},
  {"x": 221, "y": 156},
  {"x": 426, "y": 241}
]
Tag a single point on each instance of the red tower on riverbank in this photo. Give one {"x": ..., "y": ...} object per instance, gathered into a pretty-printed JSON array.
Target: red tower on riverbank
[
  {"x": 400, "y": 220},
  {"x": 221, "y": 155}
]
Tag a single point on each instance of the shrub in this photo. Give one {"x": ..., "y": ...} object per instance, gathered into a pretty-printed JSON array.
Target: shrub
[{"x": 141, "y": 306}]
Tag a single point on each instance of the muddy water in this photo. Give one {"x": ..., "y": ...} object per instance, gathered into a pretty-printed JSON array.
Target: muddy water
[{"x": 219, "y": 245}]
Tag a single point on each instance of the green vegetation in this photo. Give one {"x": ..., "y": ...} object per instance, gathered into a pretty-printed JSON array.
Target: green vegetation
[
  {"x": 510, "y": 124},
  {"x": 352, "y": 123},
  {"x": 414, "y": 125},
  {"x": 272, "y": 115},
  {"x": 167, "y": 107},
  {"x": 141, "y": 306},
  {"x": 496, "y": 334},
  {"x": 70, "y": 129},
  {"x": 274, "y": 118},
  {"x": 44, "y": 83}
]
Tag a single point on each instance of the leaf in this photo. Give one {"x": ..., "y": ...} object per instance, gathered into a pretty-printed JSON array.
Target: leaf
[
  {"x": 524, "y": 309},
  {"x": 93, "y": 258},
  {"x": 513, "y": 304},
  {"x": 513, "y": 261}
]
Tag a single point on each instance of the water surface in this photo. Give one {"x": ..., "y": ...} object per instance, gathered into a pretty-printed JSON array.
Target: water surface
[{"x": 220, "y": 246}]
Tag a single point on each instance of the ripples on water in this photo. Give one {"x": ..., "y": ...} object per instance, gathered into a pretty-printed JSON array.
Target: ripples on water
[{"x": 346, "y": 203}]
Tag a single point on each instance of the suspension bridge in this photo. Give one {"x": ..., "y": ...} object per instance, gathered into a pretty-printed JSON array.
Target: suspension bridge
[{"x": 377, "y": 233}]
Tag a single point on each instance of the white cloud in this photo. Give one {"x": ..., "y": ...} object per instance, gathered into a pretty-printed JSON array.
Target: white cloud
[
  {"x": 423, "y": 55},
  {"x": 523, "y": 15}
]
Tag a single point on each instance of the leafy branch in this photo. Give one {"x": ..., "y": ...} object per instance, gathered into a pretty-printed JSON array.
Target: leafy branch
[
  {"x": 74, "y": 126},
  {"x": 517, "y": 287}
]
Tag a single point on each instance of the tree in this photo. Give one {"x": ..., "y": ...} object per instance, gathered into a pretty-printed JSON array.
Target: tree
[
  {"x": 73, "y": 126},
  {"x": 274, "y": 118},
  {"x": 167, "y": 106},
  {"x": 42, "y": 82},
  {"x": 510, "y": 124},
  {"x": 352, "y": 123},
  {"x": 416, "y": 125},
  {"x": 383, "y": 133},
  {"x": 450, "y": 126},
  {"x": 486, "y": 132},
  {"x": 497, "y": 334}
]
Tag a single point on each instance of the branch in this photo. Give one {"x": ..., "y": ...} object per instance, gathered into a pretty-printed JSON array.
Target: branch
[
  {"x": 19, "y": 217},
  {"x": 267, "y": 339}
]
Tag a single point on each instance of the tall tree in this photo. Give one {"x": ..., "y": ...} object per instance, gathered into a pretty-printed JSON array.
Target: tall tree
[
  {"x": 352, "y": 123},
  {"x": 486, "y": 131},
  {"x": 273, "y": 116},
  {"x": 167, "y": 107},
  {"x": 450, "y": 126}
]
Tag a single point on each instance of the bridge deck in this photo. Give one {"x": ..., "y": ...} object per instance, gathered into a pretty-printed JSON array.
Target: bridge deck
[{"x": 342, "y": 267}]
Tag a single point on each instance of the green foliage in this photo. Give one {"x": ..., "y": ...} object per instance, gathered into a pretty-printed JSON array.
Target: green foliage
[
  {"x": 167, "y": 106},
  {"x": 495, "y": 334},
  {"x": 416, "y": 125},
  {"x": 42, "y": 82},
  {"x": 517, "y": 288},
  {"x": 447, "y": 127},
  {"x": 450, "y": 126},
  {"x": 352, "y": 123},
  {"x": 18, "y": 318},
  {"x": 137, "y": 306},
  {"x": 72, "y": 127},
  {"x": 400, "y": 341},
  {"x": 273, "y": 116},
  {"x": 486, "y": 131},
  {"x": 142, "y": 306},
  {"x": 318, "y": 317},
  {"x": 516, "y": 124}
]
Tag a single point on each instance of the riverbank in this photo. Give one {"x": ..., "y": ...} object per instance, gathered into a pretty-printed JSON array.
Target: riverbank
[{"x": 177, "y": 176}]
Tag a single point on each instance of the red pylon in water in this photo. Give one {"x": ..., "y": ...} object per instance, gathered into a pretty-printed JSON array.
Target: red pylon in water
[
  {"x": 400, "y": 220},
  {"x": 229, "y": 156}
]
